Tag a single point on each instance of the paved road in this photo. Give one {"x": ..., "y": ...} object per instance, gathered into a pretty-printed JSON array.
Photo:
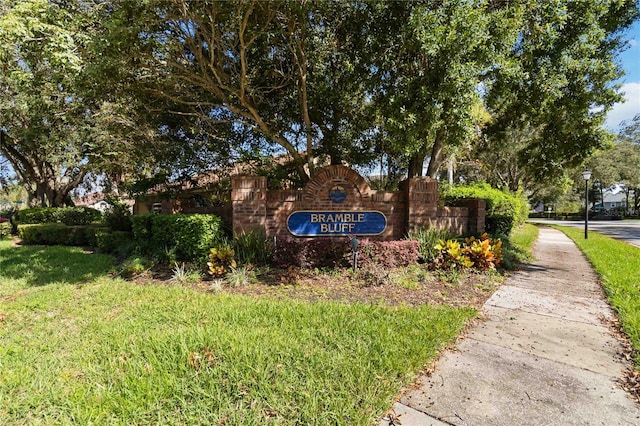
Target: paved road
[{"x": 624, "y": 230}]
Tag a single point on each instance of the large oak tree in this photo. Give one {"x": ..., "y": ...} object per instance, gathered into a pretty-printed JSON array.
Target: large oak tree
[{"x": 184, "y": 85}]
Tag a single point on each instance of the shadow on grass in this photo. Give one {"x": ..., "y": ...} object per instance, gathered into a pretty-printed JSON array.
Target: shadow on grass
[
  {"x": 517, "y": 247},
  {"x": 42, "y": 265},
  {"x": 514, "y": 256}
]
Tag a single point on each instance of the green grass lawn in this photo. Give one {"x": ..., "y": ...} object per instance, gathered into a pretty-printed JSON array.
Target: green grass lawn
[
  {"x": 77, "y": 346},
  {"x": 519, "y": 245},
  {"x": 618, "y": 265}
]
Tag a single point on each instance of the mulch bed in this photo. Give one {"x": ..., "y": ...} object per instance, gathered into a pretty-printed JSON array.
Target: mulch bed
[{"x": 460, "y": 289}]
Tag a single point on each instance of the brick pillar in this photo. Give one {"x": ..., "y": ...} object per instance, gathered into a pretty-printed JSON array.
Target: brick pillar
[
  {"x": 477, "y": 214},
  {"x": 422, "y": 201},
  {"x": 249, "y": 203}
]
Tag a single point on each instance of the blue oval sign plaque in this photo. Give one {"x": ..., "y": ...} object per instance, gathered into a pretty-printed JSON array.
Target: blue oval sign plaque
[{"x": 328, "y": 223}]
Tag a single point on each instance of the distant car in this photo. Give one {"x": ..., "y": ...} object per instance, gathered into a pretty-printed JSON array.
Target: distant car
[{"x": 3, "y": 220}]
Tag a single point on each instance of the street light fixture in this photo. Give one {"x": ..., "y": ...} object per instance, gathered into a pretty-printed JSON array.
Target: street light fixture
[{"x": 586, "y": 175}]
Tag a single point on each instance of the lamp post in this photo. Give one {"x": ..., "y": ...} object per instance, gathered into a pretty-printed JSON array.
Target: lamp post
[{"x": 586, "y": 175}]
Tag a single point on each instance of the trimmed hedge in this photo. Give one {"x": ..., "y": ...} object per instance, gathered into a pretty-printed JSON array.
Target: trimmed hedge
[
  {"x": 390, "y": 254},
  {"x": 190, "y": 236},
  {"x": 65, "y": 215},
  {"x": 504, "y": 209},
  {"x": 5, "y": 229},
  {"x": 60, "y": 234},
  {"x": 314, "y": 253},
  {"x": 499, "y": 224},
  {"x": 115, "y": 242}
]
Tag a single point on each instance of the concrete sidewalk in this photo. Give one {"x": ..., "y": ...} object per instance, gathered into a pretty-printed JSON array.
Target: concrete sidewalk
[{"x": 542, "y": 357}]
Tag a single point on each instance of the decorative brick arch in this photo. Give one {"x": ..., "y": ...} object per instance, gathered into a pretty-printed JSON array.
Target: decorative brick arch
[
  {"x": 341, "y": 189},
  {"x": 317, "y": 189}
]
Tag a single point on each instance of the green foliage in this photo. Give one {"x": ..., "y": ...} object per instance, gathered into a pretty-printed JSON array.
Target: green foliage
[
  {"x": 37, "y": 215},
  {"x": 78, "y": 215},
  {"x": 59, "y": 234},
  {"x": 518, "y": 246},
  {"x": 65, "y": 215},
  {"x": 190, "y": 236},
  {"x": 428, "y": 238},
  {"x": 134, "y": 266},
  {"x": 180, "y": 274},
  {"x": 549, "y": 103},
  {"x": 504, "y": 210},
  {"x": 44, "y": 117},
  {"x": 499, "y": 224},
  {"x": 482, "y": 254},
  {"x": 435, "y": 60},
  {"x": 253, "y": 248},
  {"x": 221, "y": 261},
  {"x": 118, "y": 217},
  {"x": 239, "y": 277},
  {"x": 119, "y": 243},
  {"x": 5, "y": 229},
  {"x": 142, "y": 233}
]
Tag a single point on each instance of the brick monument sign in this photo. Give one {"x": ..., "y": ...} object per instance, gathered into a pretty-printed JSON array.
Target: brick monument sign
[{"x": 337, "y": 201}]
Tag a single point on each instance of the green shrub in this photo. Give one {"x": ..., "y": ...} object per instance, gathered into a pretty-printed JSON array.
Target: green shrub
[
  {"x": 59, "y": 234},
  {"x": 66, "y": 215},
  {"x": 5, "y": 229},
  {"x": 500, "y": 205},
  {"x": 45, "y": 234},
  {"x": 91, "y": 233},
  {"x": 141, "y": 226},
  {"x": 499, "y": 224},
  {"x": 312, "y": 253},
  {"x": 118, "y": 216},
  {"x": 189, "y": 236},
  {"x": 522, "y": 207},
  {"x": 78, "y": 215},
  {"x": 117, "y": 242},
  {"x": 388, "y": 254},
  {"x": 37, "y": 215}
]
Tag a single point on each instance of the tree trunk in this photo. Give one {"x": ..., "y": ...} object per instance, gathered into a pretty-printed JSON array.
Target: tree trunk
[
  {"x": 436, "y": 154},
  {"x": 416, "y": 163},
  {"x": 627, "y": 192}
]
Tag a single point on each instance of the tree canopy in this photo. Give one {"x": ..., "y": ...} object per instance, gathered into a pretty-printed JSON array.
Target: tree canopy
[{"x": 160, "y": 89}]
